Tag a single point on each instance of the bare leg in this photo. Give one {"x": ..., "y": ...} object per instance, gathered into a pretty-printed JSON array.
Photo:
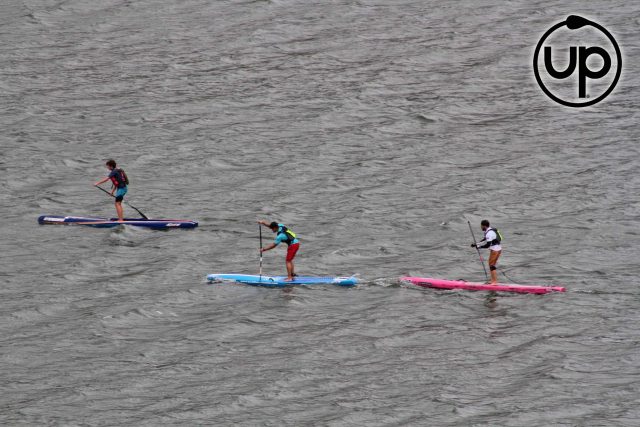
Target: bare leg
[
  {"x": 119, "y": 211},
  {"x": 289, "y": 270},
  {"x": 494, "y": 277}
]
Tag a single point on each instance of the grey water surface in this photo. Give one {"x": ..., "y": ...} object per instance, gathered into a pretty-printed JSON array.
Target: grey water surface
[{"x": 375, "y": 130}]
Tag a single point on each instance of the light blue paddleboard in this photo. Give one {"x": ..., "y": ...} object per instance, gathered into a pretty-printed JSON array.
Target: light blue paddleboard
[{"x": 279, "y": 282}]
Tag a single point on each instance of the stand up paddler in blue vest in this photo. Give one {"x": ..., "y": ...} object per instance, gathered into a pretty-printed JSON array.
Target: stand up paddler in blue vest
[
  {"x": 283, "y": 235},
  {"x": 120, "y": 181}
]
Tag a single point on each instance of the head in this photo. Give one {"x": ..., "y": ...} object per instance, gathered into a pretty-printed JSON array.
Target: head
[
  {"x": 484, "y": 224},
  {"x": 111, "y": 164},
  {"x": 274, "y": 226}
]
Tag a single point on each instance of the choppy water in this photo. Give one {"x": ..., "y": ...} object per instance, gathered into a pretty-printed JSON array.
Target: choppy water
[{"x": 375, "y": 130}]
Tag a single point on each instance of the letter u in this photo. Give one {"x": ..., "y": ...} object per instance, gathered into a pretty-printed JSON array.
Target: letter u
[{"x": 560, "y": 74}]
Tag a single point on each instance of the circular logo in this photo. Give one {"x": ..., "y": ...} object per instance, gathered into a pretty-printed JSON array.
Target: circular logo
[{"x": 590, "y": 56}]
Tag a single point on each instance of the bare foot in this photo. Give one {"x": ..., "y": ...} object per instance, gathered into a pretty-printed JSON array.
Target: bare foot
[{"x": 288, "y": 279}]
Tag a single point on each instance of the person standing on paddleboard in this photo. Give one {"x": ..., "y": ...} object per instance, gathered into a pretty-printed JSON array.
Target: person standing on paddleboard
[
  {"x": 492, "y": 239},
  {"x": 283, "y": 234},
  {"x": 120, "y": 181}
]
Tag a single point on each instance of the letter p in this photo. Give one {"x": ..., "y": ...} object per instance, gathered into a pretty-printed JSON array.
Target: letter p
[{"x": 584, "y": 71}]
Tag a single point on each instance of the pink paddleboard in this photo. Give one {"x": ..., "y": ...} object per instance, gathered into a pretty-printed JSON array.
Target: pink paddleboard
[{"x": 428, "y": 282}]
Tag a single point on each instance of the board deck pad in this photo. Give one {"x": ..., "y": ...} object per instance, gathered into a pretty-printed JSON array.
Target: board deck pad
[
  {"x": 279, "y": 281},
  {"x": 429, "y": 282},
  {"x": 113, "y": 222}
]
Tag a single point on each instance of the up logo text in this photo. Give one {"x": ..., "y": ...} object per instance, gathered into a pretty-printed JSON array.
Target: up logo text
[{"x": 577, "y": 62}]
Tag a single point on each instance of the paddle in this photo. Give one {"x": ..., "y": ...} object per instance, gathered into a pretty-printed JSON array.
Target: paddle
[
  {"x": 479, "y": 254},
  {"x": 260, "y": 232},
  {"x": 132, "y": 207}
]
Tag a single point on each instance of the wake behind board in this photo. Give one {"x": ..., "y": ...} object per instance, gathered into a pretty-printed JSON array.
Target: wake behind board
[
  {"x": 429, "y": 282},
  {"x": 113, "y": 222},
  {"x": 279, "y": 282}
]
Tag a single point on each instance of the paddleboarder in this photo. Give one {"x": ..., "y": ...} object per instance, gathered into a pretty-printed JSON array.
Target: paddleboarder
[
  {"x": 492, "y": 239},
  {"x": 283, "y": 234},
  {"x": 119, "y": 180}
]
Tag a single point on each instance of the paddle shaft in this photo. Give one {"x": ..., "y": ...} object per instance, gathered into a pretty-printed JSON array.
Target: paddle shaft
[
  {"x": 260, "y": 233},
  {"x": 132, "y": 207},
  {"x": 475, "y": 243}
]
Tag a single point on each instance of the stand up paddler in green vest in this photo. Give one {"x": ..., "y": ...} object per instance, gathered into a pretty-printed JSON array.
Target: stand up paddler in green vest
[
  {"x": 492, "y": 241},
  {"x": 283, "y": 235}
]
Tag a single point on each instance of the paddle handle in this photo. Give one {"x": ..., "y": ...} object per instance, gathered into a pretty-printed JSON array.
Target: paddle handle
[
  {"x": 475, "y": 243},
  {"x": 260, "y": 249}
]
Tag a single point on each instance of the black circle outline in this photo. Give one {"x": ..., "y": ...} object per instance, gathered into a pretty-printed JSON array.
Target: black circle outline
[{"x": 576, "y": 104}]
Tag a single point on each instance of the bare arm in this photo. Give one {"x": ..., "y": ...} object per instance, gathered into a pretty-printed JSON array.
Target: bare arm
[
  {"x": 271, "y": 246},
  {"x": 102, "y": 181},
  {"x": 268, "y": 248}
]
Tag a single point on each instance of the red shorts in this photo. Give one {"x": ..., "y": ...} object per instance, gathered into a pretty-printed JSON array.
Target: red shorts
[{"x": 291, "y": 251}]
